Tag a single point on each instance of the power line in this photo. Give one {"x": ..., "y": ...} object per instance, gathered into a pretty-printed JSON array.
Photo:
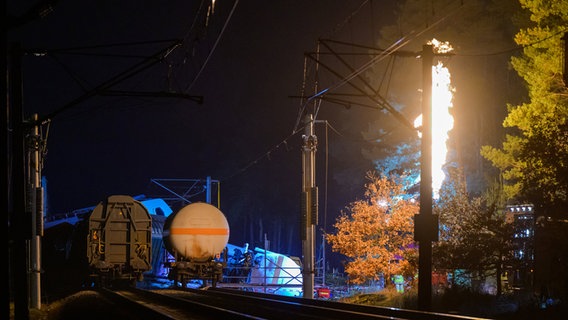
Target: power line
[
  {"x": 283, "y": 143},
  {"x": 70, "y": 50},
  {"x": 392, "y": 49},
  {"x": 340, "y": 25},
  {"x": 122, "y": 76},
  {"x": 214, "y": 46}
]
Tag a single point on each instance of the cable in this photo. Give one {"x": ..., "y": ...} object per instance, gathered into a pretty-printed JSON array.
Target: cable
[
  {"x": 36, "y": 51},
  {"x": 194, "y": 22},
  {"x": 326, "y": 175},
  {"x": 264, "y": 155},
  {"x": 71, "y": 73},
  {"x": 303, "y": 104},
  {"x": 354, "y": 140},
  {"x": 397, "y": 45},
  {"x": 116, "y": 79},
  {"x": 394, "y": 47},
  {"x": 214, "y": 46},
  {"x": 340, "y": 26}
]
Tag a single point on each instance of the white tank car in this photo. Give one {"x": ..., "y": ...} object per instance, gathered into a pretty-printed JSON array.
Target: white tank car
[{"x": 199, "y": 232}]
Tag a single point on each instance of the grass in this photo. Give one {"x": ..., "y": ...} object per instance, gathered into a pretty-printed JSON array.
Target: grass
[
  {"x": 386, "y": 298},
  {"x": 81, "y": 305},
  {"x": 463, "y": 302}
]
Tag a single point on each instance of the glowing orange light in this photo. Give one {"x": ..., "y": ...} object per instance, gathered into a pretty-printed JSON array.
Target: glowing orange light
[{"x": 442, "y": 120}]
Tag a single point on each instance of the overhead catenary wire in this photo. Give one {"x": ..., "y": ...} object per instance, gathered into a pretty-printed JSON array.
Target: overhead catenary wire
[
  {"x": 146, "y": 62},
  {"x": 304, "y": 102},
  {"x": 337, "y": 28},
  {"x": 194, "y": 22},
  {"x": 285, "y": 143},
  {"x": 79, "y": 50},
  {"x": 80, "y": 82},
  {"x": 137, "y": 68},
  {"x": 397, "y": 45},
  {"x": 118, "y": 78},
  {"x": 265, "y": 155},
  {"x": 326, "y": 175},
  {"x": 381, "y": 54},
  {"x": 393, "y": 48},
  {"x": 214, "y": 47},
  {"x": 345, "y": 21}
]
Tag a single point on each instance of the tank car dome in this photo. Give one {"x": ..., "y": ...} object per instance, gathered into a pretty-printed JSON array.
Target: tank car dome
[{"x": 198, "y": 232}]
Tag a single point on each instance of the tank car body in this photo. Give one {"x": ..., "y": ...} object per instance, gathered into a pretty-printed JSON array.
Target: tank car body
[
  {"x": 196, "y": 236},
  {"x": 119, "y": 241}
]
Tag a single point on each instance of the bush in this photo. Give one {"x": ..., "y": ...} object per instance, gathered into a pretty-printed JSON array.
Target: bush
[{"x": 388, "y": 297}]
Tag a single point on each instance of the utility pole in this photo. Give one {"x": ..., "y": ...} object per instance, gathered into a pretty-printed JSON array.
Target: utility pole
[
  {"x": 309, "y": 206},
  {"x": 35, "y": 200},
  {"x": 4, "y": 154},
  {"x": 208, "y": 188},
  {"x": 425, "y": 223},
  {"x": 323, "y": 258},
  {"x": 20, "y": 220}
]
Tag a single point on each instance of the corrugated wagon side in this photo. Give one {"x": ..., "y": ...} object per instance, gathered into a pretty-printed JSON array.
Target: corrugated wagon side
[{"x": 119, "y": 241}]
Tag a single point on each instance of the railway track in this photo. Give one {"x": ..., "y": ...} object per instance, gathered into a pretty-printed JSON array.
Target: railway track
[
  {"x": 233, "y": 304},
  {"x": 392, "y": 313},
  {"x": 143, "y": 304},
  {"x": 282, "y": 307}
]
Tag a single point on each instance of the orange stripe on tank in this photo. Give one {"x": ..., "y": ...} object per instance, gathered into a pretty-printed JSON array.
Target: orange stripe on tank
[{"x": 200, "y": 231}]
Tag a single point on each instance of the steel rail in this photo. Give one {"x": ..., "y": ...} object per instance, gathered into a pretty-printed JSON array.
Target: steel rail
[
  {"x": 151, "y": 305},
  {"x": 272, "y": 307},
  {"x": 333, "y": 305}
]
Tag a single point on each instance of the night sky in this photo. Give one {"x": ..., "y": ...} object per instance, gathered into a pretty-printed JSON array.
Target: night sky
[
  {"x": 253, "y": 65},
  {"x": 247, "y": 61}
]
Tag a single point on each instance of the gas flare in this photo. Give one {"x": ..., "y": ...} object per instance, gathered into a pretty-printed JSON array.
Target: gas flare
[{"x": 442, "y": 120}]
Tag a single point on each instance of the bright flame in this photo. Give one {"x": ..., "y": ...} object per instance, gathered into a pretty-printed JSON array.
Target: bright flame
[
  {"x": 210, "y": 11},
  {"x": 441, "y": 47},
  {"x": 442, "y": 120}
]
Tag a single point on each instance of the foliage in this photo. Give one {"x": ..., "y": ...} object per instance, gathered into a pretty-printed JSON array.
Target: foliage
[
  {"x": 534, "y": 158},
  {"x": 474, "y": 233},
  {"x": 376, "y": 233},
  {"x": 336, "y": 280},
  {"x": 401, "y": 161},
  {"x": 387, "y": 298},
  {"x": 483, "y": 80}
]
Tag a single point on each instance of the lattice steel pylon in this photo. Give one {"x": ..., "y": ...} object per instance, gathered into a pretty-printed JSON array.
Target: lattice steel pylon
[{"x": 178, "y": 192}]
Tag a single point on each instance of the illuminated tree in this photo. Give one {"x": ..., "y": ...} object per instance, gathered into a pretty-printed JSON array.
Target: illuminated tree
[
  {"x": 474, "y": 235},
  {"x": 376, "y": 233},
  {"x": 533, "y": 158}
]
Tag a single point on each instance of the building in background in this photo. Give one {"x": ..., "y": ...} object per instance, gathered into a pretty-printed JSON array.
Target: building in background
[{"x": 520, "y": 272}]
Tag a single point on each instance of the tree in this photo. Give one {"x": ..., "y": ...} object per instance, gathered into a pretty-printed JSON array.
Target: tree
[
  {"x": 481, "y": 76},
  {"x": 533, "y": 159},
  {"x": 376, "y": 233},
  {"x": 474, "y": 233}
]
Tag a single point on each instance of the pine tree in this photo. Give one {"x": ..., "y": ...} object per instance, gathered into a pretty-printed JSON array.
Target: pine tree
[
  {"x": 533, "y": 158},
  {"x": 481, "y": 32}
]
